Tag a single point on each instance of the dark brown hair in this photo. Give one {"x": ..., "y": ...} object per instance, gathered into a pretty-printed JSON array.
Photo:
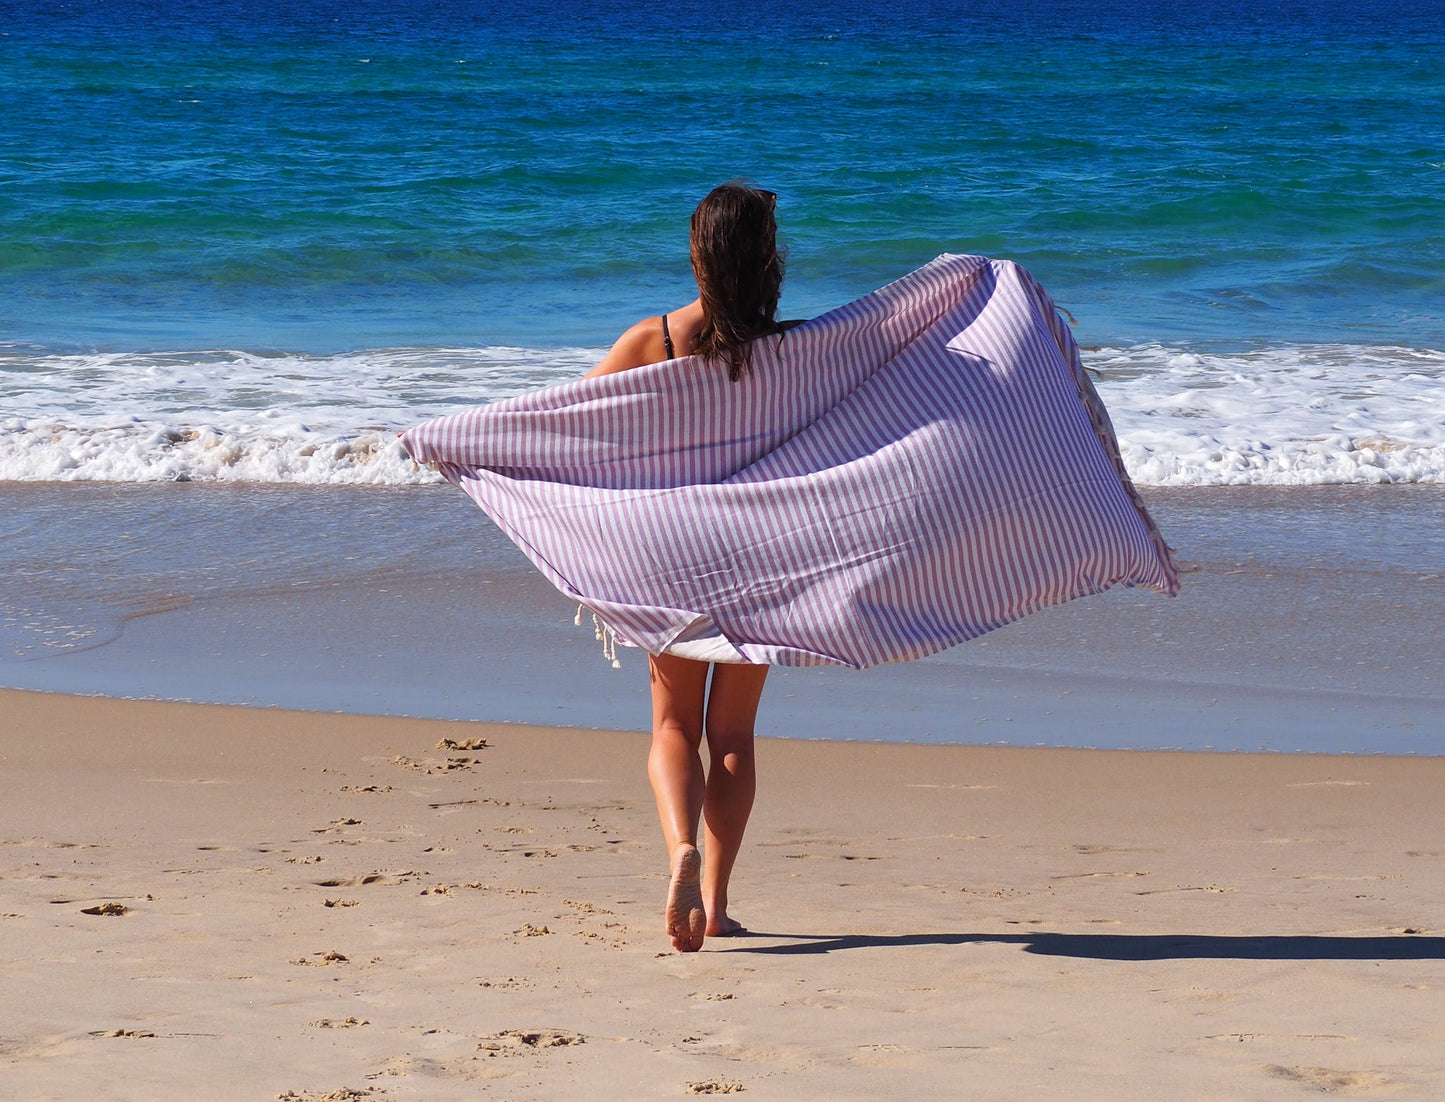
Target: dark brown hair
[{"x": 738, "y": 269}]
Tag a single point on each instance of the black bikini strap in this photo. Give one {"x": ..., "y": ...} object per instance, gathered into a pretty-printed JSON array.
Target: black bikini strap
[{"x": 667, "y": 339}]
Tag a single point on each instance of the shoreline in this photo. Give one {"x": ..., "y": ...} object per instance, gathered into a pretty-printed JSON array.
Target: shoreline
[
  {"x": 316, "y": 903},
  {"x": 1299, "y": 627},
  {"x": 770, "y": 736}
]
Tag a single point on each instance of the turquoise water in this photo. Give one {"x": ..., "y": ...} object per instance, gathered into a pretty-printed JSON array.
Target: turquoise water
[{"x": 187, "y": 175}]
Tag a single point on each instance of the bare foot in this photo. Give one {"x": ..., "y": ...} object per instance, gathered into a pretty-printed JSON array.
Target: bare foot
[
  {"x": 723, "y": 926},
  {"x": 686, "y": 920}
]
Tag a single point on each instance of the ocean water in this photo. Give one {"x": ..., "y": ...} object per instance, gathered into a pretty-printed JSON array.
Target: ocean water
[
  {"x": 250, "y": 242},
  {"x": 1307, "y": 622}
]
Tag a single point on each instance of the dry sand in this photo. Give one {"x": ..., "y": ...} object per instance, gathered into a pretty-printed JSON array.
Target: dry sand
[{"x": 210, "y": 902}]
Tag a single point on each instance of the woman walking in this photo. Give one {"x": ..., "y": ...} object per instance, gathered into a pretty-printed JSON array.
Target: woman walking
[{"x": 739, "y": 274}]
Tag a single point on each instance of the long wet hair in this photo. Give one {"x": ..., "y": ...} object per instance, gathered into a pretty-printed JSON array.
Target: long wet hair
[{"x": 739, "y": 271}]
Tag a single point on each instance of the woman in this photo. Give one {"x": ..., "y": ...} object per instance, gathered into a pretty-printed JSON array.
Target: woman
[{"x": 739, "y": 273}]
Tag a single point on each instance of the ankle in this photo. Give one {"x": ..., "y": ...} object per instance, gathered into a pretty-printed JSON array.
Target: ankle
[{"x": 684, "y": 852}]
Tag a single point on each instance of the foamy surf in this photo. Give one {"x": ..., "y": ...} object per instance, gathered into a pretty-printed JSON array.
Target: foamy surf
[
  {"x": 1279, "y": 416},
  {"x": 1287, "y": 415},
  {"x": 44, "y": 452},
  {"x": 226, "y": 416}
]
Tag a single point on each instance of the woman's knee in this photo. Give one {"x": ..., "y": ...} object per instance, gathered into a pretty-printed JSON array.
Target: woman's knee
[
  {"x": 731, "y": 748},
  {"x": 671, "y": 735}
]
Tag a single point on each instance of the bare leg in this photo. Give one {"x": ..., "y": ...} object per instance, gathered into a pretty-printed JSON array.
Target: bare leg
[
  {"x": 732, "y": 708},
  {"x": 697, "y": 893},
  {"x": 679, "y": 687}
]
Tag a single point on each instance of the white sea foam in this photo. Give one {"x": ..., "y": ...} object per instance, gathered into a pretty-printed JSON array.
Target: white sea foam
[
  {"x": 245, "y": 417},
  {"x": 1293, "y": 415},
  {"x": 1289, "y": 415}
]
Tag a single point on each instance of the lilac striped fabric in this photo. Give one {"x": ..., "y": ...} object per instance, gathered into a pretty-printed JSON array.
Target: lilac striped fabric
[{"x": 901, "y": 474}]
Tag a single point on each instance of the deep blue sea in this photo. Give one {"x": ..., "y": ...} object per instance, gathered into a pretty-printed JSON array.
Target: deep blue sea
[{"x": 273, "y": 228}]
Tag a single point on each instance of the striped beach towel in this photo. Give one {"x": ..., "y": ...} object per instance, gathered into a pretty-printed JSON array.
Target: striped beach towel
[{"x": 894, "y": 477}]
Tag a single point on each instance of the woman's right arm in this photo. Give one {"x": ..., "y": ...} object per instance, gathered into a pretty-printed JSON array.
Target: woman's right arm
[{"x": 639, "y": 346}]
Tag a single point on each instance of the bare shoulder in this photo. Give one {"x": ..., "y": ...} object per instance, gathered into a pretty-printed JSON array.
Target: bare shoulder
[{"x": 639, "y": 346}]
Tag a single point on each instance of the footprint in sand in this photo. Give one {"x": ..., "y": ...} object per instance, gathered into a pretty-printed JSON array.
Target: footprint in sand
[
  {"x": 353, "y": 881},
  {"x": 451, "y": 806},
  {"x": 434, "y": 765},
  {"x": 510, "y": 983},
  {"x": 112, "y": 909},
  {"x": 470, "y": 1068},
  {"x": 714, "y": 1086},
  {"x": 369, "y": 878},
  {"x": 337, "y": 824},
  {"x": 1328, "y": 1079},
  {"x": 586, "y": 908},
  {"x": 462, "y": 744},
  {"x": 517, "y": 1042},
  {"x": 331, "y": 957}
]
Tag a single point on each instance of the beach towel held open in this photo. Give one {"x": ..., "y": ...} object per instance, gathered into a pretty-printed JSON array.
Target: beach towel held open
[{"x": 894, "y": 477}]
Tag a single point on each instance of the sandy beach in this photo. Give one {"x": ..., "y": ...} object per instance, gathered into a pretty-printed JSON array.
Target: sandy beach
[{"x": 222, "y": 902}]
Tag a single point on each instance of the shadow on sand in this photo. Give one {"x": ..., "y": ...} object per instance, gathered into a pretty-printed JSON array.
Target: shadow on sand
[{"x": 1127, "y": 946}]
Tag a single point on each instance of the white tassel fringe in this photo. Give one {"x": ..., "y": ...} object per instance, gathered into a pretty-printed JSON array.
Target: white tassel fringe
[{"x": 603, "y": 634}]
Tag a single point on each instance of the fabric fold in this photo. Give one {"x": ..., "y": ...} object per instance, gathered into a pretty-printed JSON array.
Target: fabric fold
[{"x": 894, "y": 477}]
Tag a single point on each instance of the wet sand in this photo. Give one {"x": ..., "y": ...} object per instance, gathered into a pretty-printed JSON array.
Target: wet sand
[
  {"x": 1307, "y": 622},
  {"x": 254, "y": 903}
]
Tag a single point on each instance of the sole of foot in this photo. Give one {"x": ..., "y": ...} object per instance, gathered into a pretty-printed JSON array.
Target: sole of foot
[{"x": 686, "y": 919}]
